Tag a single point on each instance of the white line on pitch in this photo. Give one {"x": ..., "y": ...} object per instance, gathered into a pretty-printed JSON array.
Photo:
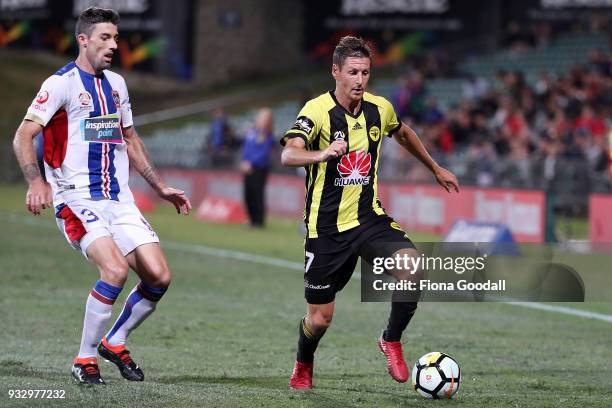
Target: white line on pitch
[
  {"x": 231, "y": 254},
  {"x": 564, "y": 309},
  {"x": 282, "y": 263}
]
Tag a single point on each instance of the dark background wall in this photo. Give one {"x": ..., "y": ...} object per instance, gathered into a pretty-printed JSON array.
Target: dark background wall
[{"x": 245, "y": 39}]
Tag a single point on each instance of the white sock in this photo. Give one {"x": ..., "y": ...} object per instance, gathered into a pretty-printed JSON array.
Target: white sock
[
  {"x": 138, "y": 306},
  {"x": 98, "y": 311}
]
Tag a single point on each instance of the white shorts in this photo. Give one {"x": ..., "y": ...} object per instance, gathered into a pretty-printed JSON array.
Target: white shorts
[{"x": 83, "y": 221}]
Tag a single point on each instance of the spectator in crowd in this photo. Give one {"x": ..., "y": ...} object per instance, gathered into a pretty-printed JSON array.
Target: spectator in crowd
[
  {"x": 599, "y": 62},
  {"x": 481, "y": 163},
  {"x": 589, "y": 123},
  {"x": 542, "y": 34},
  {"x": 518, "y": 38},
  {"x": 460, "y": 129},
  {"x": 475, "y": 88},
  {"x": 258, "y": 146},
  {"x": 219, "y": 130},
  {"x": 546, "y": 168},
  {"x": 409, "y": 98},
  {"x": 221, "y": 140},
  {"x": 597, "y": 154},
  {"x": 432, "y": 113},
  {"x": 517, "y": 132}
]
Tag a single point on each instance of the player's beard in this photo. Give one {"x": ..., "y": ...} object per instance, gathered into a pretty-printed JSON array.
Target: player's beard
[
  {"x": 355, "y": 97},
  {"x": 101, "y": 65}
]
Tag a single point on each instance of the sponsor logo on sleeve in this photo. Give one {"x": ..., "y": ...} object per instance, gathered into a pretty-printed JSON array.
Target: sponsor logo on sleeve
[
  {"x": 42, "y": 97},
  {"x": 304, "y": 124},
  {"x": 39, "y": 102}
]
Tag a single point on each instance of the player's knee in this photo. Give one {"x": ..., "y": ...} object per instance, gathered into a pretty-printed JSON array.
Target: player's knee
[
  {"x": 402, "y": 275},
  {"x": 319, "y": 322},
  {"x": 412, "y": 273},
  {"x": 115, "y": 272},
  {"x": 160, "y": 276},
  {"x": 162, "y": 281},
  {"x": 152, "y": 293}
]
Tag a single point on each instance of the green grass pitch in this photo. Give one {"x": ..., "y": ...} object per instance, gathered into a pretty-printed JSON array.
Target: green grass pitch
[{"x": 225, "y": 334}]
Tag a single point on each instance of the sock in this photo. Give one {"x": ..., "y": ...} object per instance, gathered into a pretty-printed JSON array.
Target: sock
[
  {"x": 401, "y": 313},
  {"x": 307, "y": 344},
  {"x": 98, "y": 312},
  {"x": 138, "y": 306}
]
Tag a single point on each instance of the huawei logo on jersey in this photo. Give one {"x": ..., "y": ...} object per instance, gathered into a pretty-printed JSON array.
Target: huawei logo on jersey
[{"x": 354, "y": 168}]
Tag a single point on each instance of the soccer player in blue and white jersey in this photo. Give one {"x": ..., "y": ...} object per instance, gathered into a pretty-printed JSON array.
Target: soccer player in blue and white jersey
[{"x": 90, "y": 142}]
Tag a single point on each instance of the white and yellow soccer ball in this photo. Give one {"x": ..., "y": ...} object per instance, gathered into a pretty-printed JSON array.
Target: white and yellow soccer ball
[{"x": 436, "y": 375}]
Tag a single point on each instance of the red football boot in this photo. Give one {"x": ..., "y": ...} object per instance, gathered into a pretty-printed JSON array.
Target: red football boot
[
  {"x": 396, "y": 365},
  {"x": 301, "y": 378}
]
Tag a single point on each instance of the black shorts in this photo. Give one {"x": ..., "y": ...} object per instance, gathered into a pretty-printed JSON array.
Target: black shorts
[{"x": 330, "y": 260}]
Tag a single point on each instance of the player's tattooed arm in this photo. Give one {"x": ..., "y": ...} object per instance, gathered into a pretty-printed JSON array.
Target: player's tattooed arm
[
  {"x": 151, "y": 176},
  {"x": 409, "y": 140},
  {"x": 38, "y": 196},
  {"x": 139, "y": 158},
  {"x": 24, "y": 150},
  {"x": 31, "y": 172}
]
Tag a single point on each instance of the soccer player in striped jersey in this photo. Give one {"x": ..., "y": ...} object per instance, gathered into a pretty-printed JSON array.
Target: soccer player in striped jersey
[
  {"x": 337, "y": 138},
  {"x": 84, "y": 113}
]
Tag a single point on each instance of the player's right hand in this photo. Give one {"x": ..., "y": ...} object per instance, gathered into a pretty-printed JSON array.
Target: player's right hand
[
  {"x": 334, "y": 150},
  {"x": 177, "y": 198},
  {"x": 38, "y": 196}
]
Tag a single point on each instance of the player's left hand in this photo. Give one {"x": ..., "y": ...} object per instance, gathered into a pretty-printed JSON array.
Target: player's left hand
[
  {"x": 177, "y": 198},
  {"x": 446, "y": 179}
]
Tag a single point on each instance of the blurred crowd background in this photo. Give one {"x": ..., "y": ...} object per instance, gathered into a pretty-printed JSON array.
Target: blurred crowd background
[{"x": 513, "y": 94}]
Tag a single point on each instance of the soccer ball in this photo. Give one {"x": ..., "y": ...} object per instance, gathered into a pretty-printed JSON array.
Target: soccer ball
[{"x": 436, "y": 375}]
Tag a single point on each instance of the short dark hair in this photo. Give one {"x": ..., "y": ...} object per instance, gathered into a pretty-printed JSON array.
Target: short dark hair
[
  {"x": 350, "y": 46},
  {"x": 92, "y": 16}
]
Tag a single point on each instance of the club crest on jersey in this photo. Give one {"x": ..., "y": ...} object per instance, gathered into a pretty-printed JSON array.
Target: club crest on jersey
[
  {"x": 354, "y": 168},
  {"x": 116, "y": 99},
  {"x": 374, "y": 133},
  {"x": 339, "y": 135}
]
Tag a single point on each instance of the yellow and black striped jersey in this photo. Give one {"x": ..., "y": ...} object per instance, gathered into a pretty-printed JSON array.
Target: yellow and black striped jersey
[{"x": 342, "y": 193}]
